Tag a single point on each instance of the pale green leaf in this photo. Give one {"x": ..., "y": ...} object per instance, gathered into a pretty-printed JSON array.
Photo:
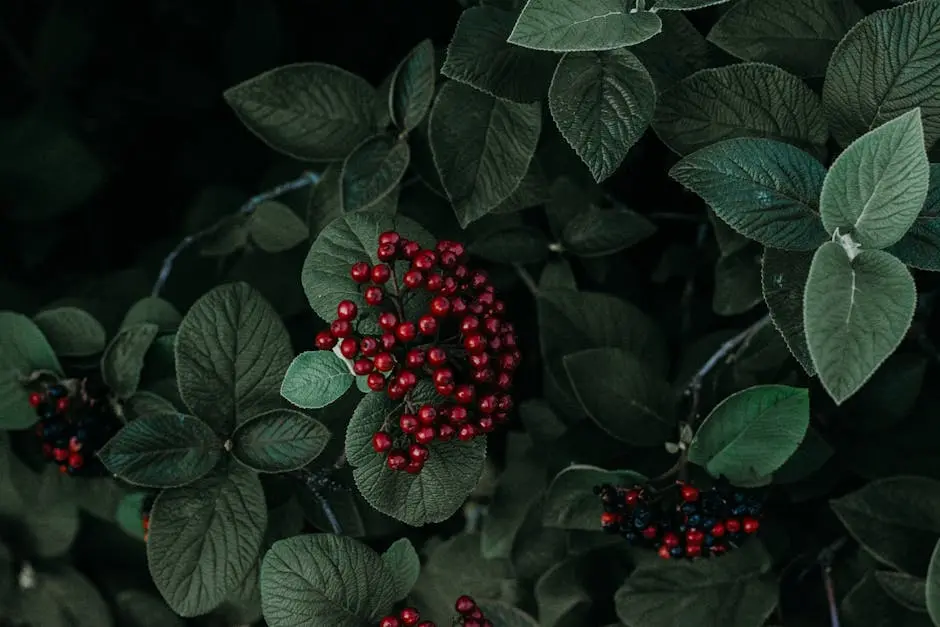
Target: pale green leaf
[
  {"x": 403, "y": 566},
  {"x": 582, "y": 26},
  {"x": 372, "y": 171},
  {"x": 279, "y": 440},
  {"x": 412, "y": 87},
  {"x": 274, "y": 227}
]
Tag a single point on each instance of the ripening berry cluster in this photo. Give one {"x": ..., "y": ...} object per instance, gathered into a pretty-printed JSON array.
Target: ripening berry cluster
[
  {"x": 72, "y": 428},
  {"x": 468, "y": 615},
  {"x": 460, "y": 343},
  {"x": 703, "y": 524}
]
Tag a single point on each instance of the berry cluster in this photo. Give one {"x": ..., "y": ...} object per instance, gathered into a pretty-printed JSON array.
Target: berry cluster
[
  {"x": 73, "y": 425},
  {"x": 460, "y": 343},
  {"x": 468, "y": 615},
  {"x": 704, "y": 523}
]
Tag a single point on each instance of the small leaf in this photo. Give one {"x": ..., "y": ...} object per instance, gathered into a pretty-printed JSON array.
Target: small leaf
[
  {"x": 582, "y": 26},
  {"x": 684, "y": 5},
  {"x": 752, "y": 433},
  {"x": 740, "y": 100},
  {"x": 622, "y": 396},
  {"x": 72, "y": 332},
  {"x": 932, "y": 587},
  {"x": 308, "y": 111},
  {"x": 598, "y": 232},
  {"x": 799, "y": 35},
  {"x": 482, "y": 147},
  {"x": 279, "y": 440},
  {"x": 412, "y": 88},
  {"x": 274, "y": 227},
  {"x": 907, "y": 590},
  {"x": 480, "y": 56},
  {"x": 856, "y": 312},
  {"x": 434, "y": 494},
  {"x": 323, "y": 579},
  {"x": 205, "y": 538},
  {"x": 23, "y": 349},
  {"x": 403, "y": 566},
  {"x": 886, "y": 65},
  {"x": 164, "y": 450},
  {"x": 520, "y": 244},
  {"x": 783, "y": 279},
  {"x": 765, "y": 190},
  {"x": 372, "y": 171},
  {"x": 876, "y": 188},
  {"x": 123, "y": 359},
  {"x": 153, "y": 310},
  {"x": 232, "y": 351},
  {"x": 602, "y": 103},
  {"x": 896, "y": 520},
  {"x": 571, "y": 502}
]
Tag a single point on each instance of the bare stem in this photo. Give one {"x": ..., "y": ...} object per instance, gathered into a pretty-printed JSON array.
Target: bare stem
[
  {"x": 741, "y": 339},
  {"x": 305, "y": 180}
]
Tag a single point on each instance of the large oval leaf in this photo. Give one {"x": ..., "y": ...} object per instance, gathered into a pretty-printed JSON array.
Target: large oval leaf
[
  {"x": 582, "y": 26},
  {"x": 72, "y": 332}
]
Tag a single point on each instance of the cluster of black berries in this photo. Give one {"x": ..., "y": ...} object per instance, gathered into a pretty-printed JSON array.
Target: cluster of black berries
[
  {"x": 462, "y": 344},
  {"x": 703, "y": 523},
  {"x": 73, "y": 425},
  {"x": 468, "y": 615}
]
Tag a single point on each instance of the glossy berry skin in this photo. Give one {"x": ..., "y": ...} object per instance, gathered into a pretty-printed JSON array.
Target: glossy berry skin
[
  {"x": 437, "y": 356},
  {"x": 409, "y": 616},
  {"x": 346, "y": 310},
  {"x": 415, "y": 358},
  {"x": 36, "y": 398},
  {"x": 465, "y": 605},
  {"x": 464, "y": 394},
  {"x": 413, "y": 279},
  {"x": 750, "y": 525},
  {"x": 373, "y": 295},
  {"x": 384, "y": 362},
  {"x": 406, "y": 331},
  {"x": 427, "y": 325},
  {"x": 689, "y": 493},
  {"x": 360, "y": 272},
  {"x": 375, "y": 382},
  {"x": 408, "y": 423},
  {"x": 363, "y": 366},
  {"x": 388, "y": 321},
  {"x": 425, "y": 435},
  {"x": 369, "y": 346},
  {"x": 389, "y": 237},
  {"x": 418, "y": 452},
  {"x": 446, "y": 433},
  {"x": 348, "y": 348},
  {"x": 397, "y": 460},
  {"x": 381, "y": 274},
  {"x": 474, "y": 344},
  {"x": 381, "y": 442},
  {"x": 386, "y": 252},
  {"x": 340, "y": 328},
  {"x": 466, "y": 433},
  {"x": 440, "y": 306},
  {"x": 390, "y": 621}
]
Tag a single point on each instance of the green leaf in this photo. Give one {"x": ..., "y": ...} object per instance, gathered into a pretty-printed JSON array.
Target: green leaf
[
  {"x": 752, "y": 433},
  {"x": 480, "y": 56},
  {"x": 737, "y": 283},
  {"x": 72, "y": 332},
  {"x": 372, "y": 171},
  {"x": 532, "y": 191},
  {"x": 323, "y": 579},
  {"x": 23, "y": 349},
  {"x": 920, "y": 246},
  {"x": 66, "y": 595},
  {"x": 412, "y": 87},
  {"x": 684, "y": 5},
  {"x": 602, "y": 102},
  {"x": 519, "y": 486},
  {"x": 907, "y": 590},
  {"x": 887, "y": 64},
  {"x": 799, "y": 36},
  {"x": 740, "y": 100},
  {"x": 598, "y": 232},
  {"x": 582, "y": 26},
  {"x": 141, "y": 609},
  {"x": 232, "y": 351},
  {"x": 561, "y": 596},
  {"x": 735, "y": 590},
  {"x": 164, "y": 450},
  {"x": 309, "y": 111},
  {"x": 152, "y": 310},
  {"x": 877, "y": 186},
  {"x": 783, "y": 279},
  {"x": 571, "y": 502},
  {"x": 868, "y": 604},
  {"x": 144, "y": 402},
  {"x": 809, "y": 457},
  {"x": 622, "y": 395},
  {"x": 890, "y": 395},
  {"x": 403, "y": 566},
  {"x": 505, "y": 615},
  {"x": 668, "y": 63},
  {"x": 274, "y": 227},
  {"x": 204, "y": 539},
  {"x": 766, "y": 190},
  {"x": 558, "y": 275},
  {"x": 845, "y": 303},
  {"x": 434, "y": 494},
  {"x": 123, "y": 360},
  {"x": 350, "y": 238},
  {"x": 482, "y": 147},
  {"x": 520, "y": 244},
  {"x": 279, "y": 440},
  {"x": 896, "y": 520},
  {"x": 932, "y": 587}
]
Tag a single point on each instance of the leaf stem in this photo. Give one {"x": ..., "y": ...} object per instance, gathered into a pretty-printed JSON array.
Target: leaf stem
[
  {"x": 527, "y": 279},
  {"x": 304, "y": 180}
]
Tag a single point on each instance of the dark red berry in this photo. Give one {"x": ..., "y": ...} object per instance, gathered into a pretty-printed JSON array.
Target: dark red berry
[
  {"x": 434, "y": 283},
  {"x": 62, "y": 404},
  {"x": 415, "y": 358},
  {"x": 504, "y": 380},
  {"x": 650, "y": 532},
  {"x": 360, "y": 272},
  {"x": 386, "y": 252},
  {"x": 631, "y": 498},
  {"x": 478, "y": 280},
  {"x": 325, "y": 341},
  {"x": 418, "y": 452},
  {"x": 492, "y": 326},
  {"x": 406, "y": 331},
  {"x": 373, "y": 295},
  {"x": 413, "y": 279},
  {"x": 383, "y": 362},
  {"x": 346, "y": 310},
  {"x": 425, "y": 435},
  {"x": 407, "y": 379},
  {"x": 479, "y": 361},
  {"x": 388, "y": 320},
  {"x": 694, "y": 536},
  {"x": 427, "y": 414},
  {"x": 414, "y": 467},
  {"x": 410, "y": 249},
  {"x": 381, "y": 274},
  {"x": 375, "y": 382},
  {"x": 664, "y": 552},
  {"x": 340, "y": 328},
  {"x": 466, "y": 433},
  {"x": 60, "y": 454},
  {"x": 464, "y": 394},
  {"x": 474, "y": 344},
  {"x": 689, "y": 493},
  {"x": 369, "y": 346},
  {"x": 445, "y": 433},
  {"x": 486, "y": 424},
  {"x": 469, "y": 324},
  {"x": 458, "y": 414},
  {"x": 670, "y": 540},
  {"x": 693, "y": 550},
  {"x": 381, "y": 442},
  {"x": 440, "y": 306},
  {"x": 733, "y": 525},
  {"x": 397, "y": 460},
  {"x": 396, "y": 391},
  {"x": 437, "y": 356},
  {"x": 427, "y": 325},
  {"x": 409, "y": 616},
  {"x": 750, "y": 525},
  {"x": 390, "y": 621},
  {"x": 408, "y": 423},
  {"x": 504, "y": 402},
  {"x": 487, "y": 404},
  {"x": 448, "y": 259},
  {"x": 442, "y": 376},
  {"x": 458, "y": 306},
  {"x": 35, "y": 398},
  {"x": 363, "y": 366},
  {"x": 428, "y": 623},
  {"x": 465, "y": 605},
  {"x": 76, "y": 460},
  {"x": 389, "y": 237},
  {"x": 348, "y": 348},
  {"x": 388, "y": 341},
  {"x": 461, "y": 272}
]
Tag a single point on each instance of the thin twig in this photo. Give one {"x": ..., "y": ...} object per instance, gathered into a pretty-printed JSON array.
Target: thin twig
[
  {"x": 305, "y": 180},
  {"x": 527, "y": 279},
  {"x": 742, "y": 338},
  {"x": 328, "y": 512}
]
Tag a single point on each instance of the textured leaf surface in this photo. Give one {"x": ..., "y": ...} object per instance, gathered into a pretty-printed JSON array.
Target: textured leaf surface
[
  {"x": 274, "y": 227},
  {"x": 482, "y": 147},
  {"x": 123, "y": 360},
  {"x": 403, "y": 565},
  {"x": 309, "y": 111},
  {"x": 279, "y": 440},
  {"x": 582, "y": 26},
  {"x": 23, "y": 348},
  {"x": 412, "y": 87},
  {"x": 315, "y": 379},
  {"x": 72, "y": 332},
  {"x": 886, "y": 65},
  {"x": 855, "y": 313},
  {"x": 907, "y": 590},
  {"x": 740, "y": 100},
  {"x": 602, "y": 103},
  {"x": 765, "y": 190},
  {"x": 372, "y": 171},
  {"x": 783, "y": 279},
  {"x": 599, "y": 232},
  {"x": 684, "y": 5},
  {"x": 204, "y": 539},
  {"x": 154, "y": 310}
]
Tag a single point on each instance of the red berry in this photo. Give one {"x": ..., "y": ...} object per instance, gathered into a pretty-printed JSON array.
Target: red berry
[
  {"x": 500, "y": 417},
  {"x": 486, "y": 299},
  {"x": 390, "y": 621},
  {"x": 325, "y": 341},
  {"x": 427, "y": 414},
  {"x": 76, "y": 460},
  {"x": 492, "y": 325},
  {"x": 440, "y": 306},
  {"x": 443, "y": 376},
  {"x": 464, "y": 394},
  {"x": 437, "y": 356},
  {"x": 718, "y": 530},
  {"x": 434, "y": 283},
  {"x": 479, "y": 361},
  {"x": 474, "y": 344},
  {"x": 750, "y": 525},
  {"x": 346, "y": 310},
  {"x": 504, "y": 380},
  {"x": 458, "y": 306},
  {"x": 733, "y": 525},
  {"x": 396, "y": 392},
  {"x": 363, "y": 366},
  {"x": 478, "y": 280},
  {"x": 388, "y": 341},
  {"x": 461, "y": 272},
  {"x": 650, "y": 532},
  {"x": 389, "y": 237},
  {"x": 472, "y": 622},
  {"x": 381, "y": 442},
  {"x": 373, "y": 295},
  {"x": 449, "y": 287},
  {"x": 458, "y": 414},
  {"x": 409, "y": 616},
  {"x": 448, "y": 259},
  {"x": 693, "y": 550},
  {"x": 508, "y": 362},
  {"x": 664, "y": 552},
  {"x": 388, "y": 320},
  {"x": 466, "y": 433},
  {"x": 609, "y": 518},
  {"x": 340, "y": 328},
  {"x": 47, "y": 450},
  {"x": 406, "y": 331},
  {"x": 60, "y": 454},
  {"x": 465, "y": 605},
  {"x": 62, "y": 404},
  {"x": 631, "y": 498},
  {"x": 413, "y": 279},
  {"x": 428, "y": 623},
  {"x": 407, "y": 379},
  {"x": 414, "y": 467},
  {"x": 35, "y": 398},
  {"x": 469, "y": 324},
  {"x": 458, "y": 249},
  {"x": 386, "y": 252},
  {"x": 415, "y": 358},
  {"x": 425, "y": 435},
  {"x": 486, "y": 424},
  {"x": 381, "y": 274},
  {"x": 445, "y": 433},
  {"x": 509, "y": 340},
  {"x": 427, "y": 325},
  {"x": 369, "y": 346},
  {"x": 670, "y": 540},
  {"x": 375, "y": 382},
  {"x": 504, "y": 402},
  {"x": 689, "y": 493},
  {"x": 417, "y": 452},
  {"x": 487, "y": 404},
  {"x": 424, "y": 260},
  {"x": 348, "y": 348},
  {"x": 410, "y": 249},
  {"x": 397, "y": 460},
  {"x": 383, "y": 362},
  {"x": 408, "y": 423},
  {"x": 445, "y": 388},
  {"x": 693, "y": 536},
  {"x": 360, "y": 272}
]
